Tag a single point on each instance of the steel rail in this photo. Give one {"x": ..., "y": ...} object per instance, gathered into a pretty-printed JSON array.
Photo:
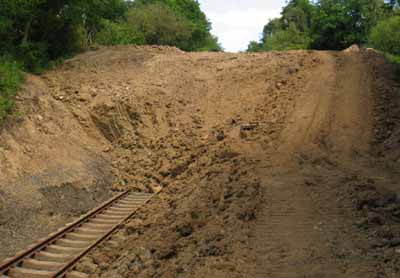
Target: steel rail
[
  {"x": 69, "y": 265},
  {"x": 53, "y": 237}
]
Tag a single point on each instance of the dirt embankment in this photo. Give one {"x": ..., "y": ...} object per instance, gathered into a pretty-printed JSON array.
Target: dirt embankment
[
  {"x": 271, "y": 164},
  {"x": 51, "y": 171}
]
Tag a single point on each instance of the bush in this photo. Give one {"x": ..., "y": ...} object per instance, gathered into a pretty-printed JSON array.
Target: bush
[
  {"x": 255, "y": 47},
  {"x": 118, "y": 33},
  {"x": 211, "y": 44},
  {"x": 288, "y": 39},
  {"x": 189, "y": 13},
  {"x": 393, "y": 59},
  {"x": 160, "y": 25},
  {"x": 33, "y": 56},
  {"x": 10, "y": 80},
  {"x": 386, "y": 36}
]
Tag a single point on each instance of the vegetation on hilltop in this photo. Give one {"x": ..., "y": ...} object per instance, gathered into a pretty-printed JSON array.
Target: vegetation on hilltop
[
  {"x": 10, "y": 81},
  {"x": 35, "y": 34},
  {"x": 386, "y": 35},
  {"x": 333, "y": 25}
]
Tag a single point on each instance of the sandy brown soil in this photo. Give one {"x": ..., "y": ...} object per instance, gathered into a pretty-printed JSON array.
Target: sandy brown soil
[
  {"x": 271, "y": 164},
  {"x": 51, "y": 171}
]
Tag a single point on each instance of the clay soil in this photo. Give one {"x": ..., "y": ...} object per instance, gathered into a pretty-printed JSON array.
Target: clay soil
[{"x": 280, "y": 164}]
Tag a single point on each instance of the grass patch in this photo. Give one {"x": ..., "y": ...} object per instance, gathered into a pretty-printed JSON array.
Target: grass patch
[
  {"x": 394, "y": 59},
  {"x": 11, "y": 78}
]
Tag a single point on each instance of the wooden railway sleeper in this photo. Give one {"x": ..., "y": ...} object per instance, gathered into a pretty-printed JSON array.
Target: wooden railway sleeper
[{"x": 55, "y": 255}]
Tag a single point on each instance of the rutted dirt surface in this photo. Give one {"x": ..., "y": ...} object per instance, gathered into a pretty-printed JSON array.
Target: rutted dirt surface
[{"x": 271, "y": 164}]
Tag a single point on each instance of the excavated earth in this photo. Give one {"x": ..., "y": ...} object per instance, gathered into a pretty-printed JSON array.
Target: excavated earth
[{"x": 279, "y": 164}]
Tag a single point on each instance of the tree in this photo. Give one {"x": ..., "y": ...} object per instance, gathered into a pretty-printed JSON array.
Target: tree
[
  {"x": 211, "y": 44},
  {"x": 290, "y": 38},
  {"x": 300, "y": 13},
  {"x": 118, "y": 33},
  {"x": 273, "y": 26},
  {"x": 331, "y": 25},
  {"x": 340, "y": 23},
  {"x": 37, "y": 31},
  {"x": 324, "y": 24},
  {"x": 386, "y": 35},
  {"x": 191, "y": 11},
  {"x": 34, "y": 33},
  {"x": 290, "y": 31},
  {"x": 16, "y": 20},
  {"x": 96, "y": 11},
  {"x": 255, "y": 47},
  {"x": 161, "y": 25}
]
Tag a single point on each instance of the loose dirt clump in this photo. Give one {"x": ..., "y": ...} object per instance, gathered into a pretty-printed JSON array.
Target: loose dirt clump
[{"x": 195, "y": 224}]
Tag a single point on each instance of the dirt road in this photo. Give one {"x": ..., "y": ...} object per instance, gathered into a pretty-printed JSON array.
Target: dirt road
[
  {"x": 272, "y": 164},
  {"x": 298, "y": 232}
]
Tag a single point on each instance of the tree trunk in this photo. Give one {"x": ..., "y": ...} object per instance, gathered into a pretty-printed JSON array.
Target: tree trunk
[{"x": 27, "y": 31}]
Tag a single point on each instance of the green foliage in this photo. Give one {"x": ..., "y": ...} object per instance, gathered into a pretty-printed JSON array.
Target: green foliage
[
  {"x": 299, "y": 13},
  {"x": 38, "y": 34},
  {"x": 189, "y": 9},
  {"x": 39, "y": 31},
  {"x": 255, "y": 47},
  {"x": 288, "y": 39},
  {"x": 211, "y": 44},
  {"x": 385, "y": 35},
  {"x": 33, "y": 55},
  {"x": 333, "y": 26},
  {"x": 184, "y": 15},
  {"x": 113, "y": 33},
  {"x": 10, "y": 80},
  {"x": 339, "y": 24},
  {"x": 179, "y": 23},
  {"x": 324, "y": 24},
  {"x": 291, "y": 31},
  {"x": 161, "y": 25},
  {"x": 393, "y": 59},
  {"x": 272, "y": 26}
]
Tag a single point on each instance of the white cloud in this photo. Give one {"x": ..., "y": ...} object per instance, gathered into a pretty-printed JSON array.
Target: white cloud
[{"x": 238, "y": 22}]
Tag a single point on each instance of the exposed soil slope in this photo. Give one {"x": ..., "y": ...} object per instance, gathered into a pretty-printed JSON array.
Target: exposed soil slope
[
  {"x": 51, "y": 171},
  {"x": 271, "y": 164}
]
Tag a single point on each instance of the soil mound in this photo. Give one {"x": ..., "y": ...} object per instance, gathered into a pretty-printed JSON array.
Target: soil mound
[{"x": 279, "y": 164}]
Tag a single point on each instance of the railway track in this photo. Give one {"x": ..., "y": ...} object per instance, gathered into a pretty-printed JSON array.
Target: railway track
[{"x": 56, "y": 255}]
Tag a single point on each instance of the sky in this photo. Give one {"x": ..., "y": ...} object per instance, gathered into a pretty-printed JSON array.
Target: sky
[{"x": 237, "y": 22}]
